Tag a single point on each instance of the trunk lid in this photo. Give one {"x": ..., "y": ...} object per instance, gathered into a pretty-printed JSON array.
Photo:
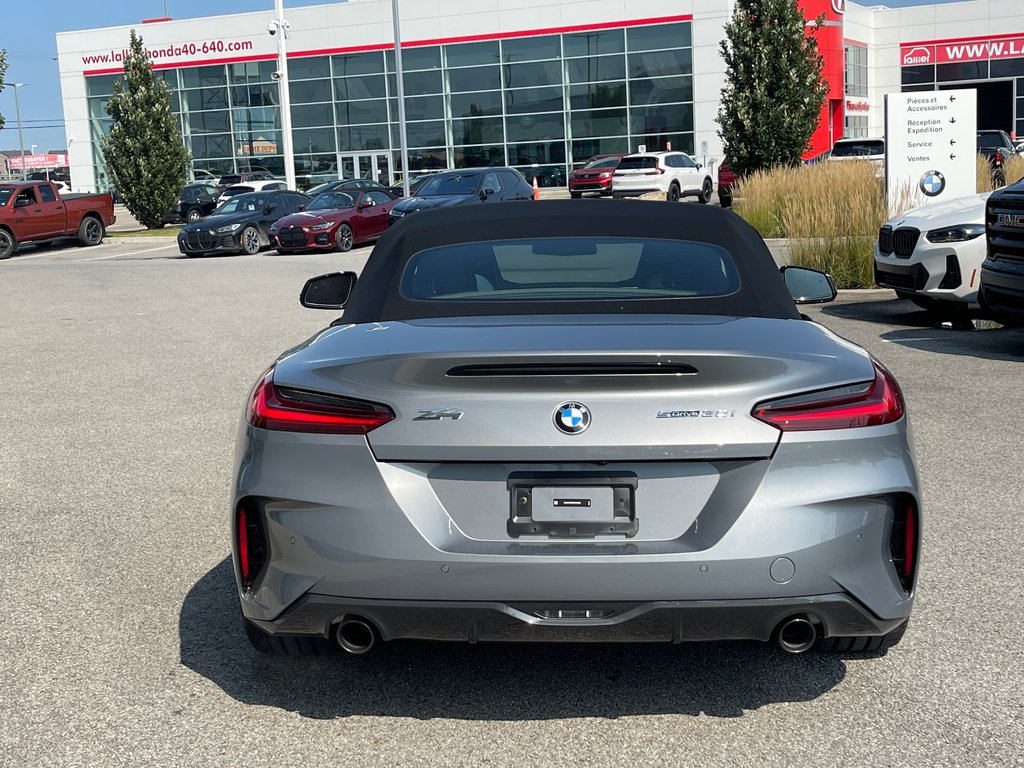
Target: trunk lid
[{"x": 655, "y": 388}]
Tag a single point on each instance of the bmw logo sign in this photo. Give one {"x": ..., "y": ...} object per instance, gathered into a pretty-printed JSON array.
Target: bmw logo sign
[
  {"x": 932, "y": 183},
  {"x": 572, "y": 418}
]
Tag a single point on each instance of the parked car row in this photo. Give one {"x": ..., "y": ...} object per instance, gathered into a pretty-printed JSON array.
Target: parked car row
[{"x": 673, "y": 174}]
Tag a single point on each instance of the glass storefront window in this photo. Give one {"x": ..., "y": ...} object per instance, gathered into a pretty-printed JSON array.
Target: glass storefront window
[
  {"x": 1008, "y": 68},
  {"x": 546, "y": 175},
  {"x": 856, "y": 61},
  {"x": 488, "y": 130},
  {"x": 659, "y": 142},
  {"x": 359, "y": 112},
  {"x": 662, "y": 119},
  {"x": 422, "y": 108},
  {"x": 314, "y": 140},
  {"x": 205, "y": 98},
  {"x": 534, "y": 100},
  {"x": 255, "y": 143},
  {"x": 660, "y": 63},
  {"x": 357, "y": 88},
  {"x": 594, "y": 123},
  {"x": 919, "y": 74},
  {"x": 421, "y": 83},
  {"x": 476, "y": 104},
  {"x": 596, "y": 68},
  {"x": 431, "y": 158},
  {"x": 658, "y": 36},
  {"x": 531, "y": 48},
  {"x": 543, "y": 152},
  {"x": 661, "y": 90},
  {"x": 472, "y": 54},
  {"x": 425, "y": 134},
  {"x": 203, "y": 77},
  {"x": 363, "y": 137},
  {"x": 481, "y": 156},
  {"x": 368, "y": 63},
  {"x": 309, "y": 68},
  {"x": 254, "y": 95},
  {"x": 416, "y": 58},
  {"x": 532, "y": 74},
  {"x": 597, "y": 95},
  {"x": 251, "y": 72},
  {"x": 209, "y": 122},
  {"x": 100, "y": 85},
  {"x": 596, "y": 42},
  {"x": 533, "y": 127},
  {"x": 313, "y": 116},
  {"x": 310, "y": 91},
  {"x": 256, "y": 118},
  {"x": 474, "y": 79},
  {"x": 212, "y": 146},
  {"x": 967, "y": 70},
  {"x": 587, "y": 148}
]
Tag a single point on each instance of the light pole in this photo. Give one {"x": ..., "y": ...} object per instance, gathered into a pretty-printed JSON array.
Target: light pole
[
  {"x": 279, "y": 27},
  {"x": 403, "y": 143},
  {"x": 21, "y": 140}
]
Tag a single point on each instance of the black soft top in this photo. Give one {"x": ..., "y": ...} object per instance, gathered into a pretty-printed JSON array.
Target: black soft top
[{"x": 762, "y": 293}]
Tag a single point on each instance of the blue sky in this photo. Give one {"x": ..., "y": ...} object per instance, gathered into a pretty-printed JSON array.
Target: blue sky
[{"x": 29, "y": 29}]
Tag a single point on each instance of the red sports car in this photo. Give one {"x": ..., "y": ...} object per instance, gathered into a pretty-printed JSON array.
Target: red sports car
[{"x": 335, "y": 220}]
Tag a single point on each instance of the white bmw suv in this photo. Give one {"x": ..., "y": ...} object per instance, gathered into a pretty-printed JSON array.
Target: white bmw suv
[{"x": 674, "y": 174}]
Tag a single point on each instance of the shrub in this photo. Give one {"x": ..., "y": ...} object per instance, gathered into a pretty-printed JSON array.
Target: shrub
[{"x": 830, "y": 211}]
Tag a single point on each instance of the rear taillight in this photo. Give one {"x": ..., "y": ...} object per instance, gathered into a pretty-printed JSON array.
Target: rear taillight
[
  {"x": 293, "y": 410},
  {"x": 903, "y": 540},
  {"x": 250, "y": 542},
  {"x": 860, "y": 405},
  {"x": 999, "y": 156}
]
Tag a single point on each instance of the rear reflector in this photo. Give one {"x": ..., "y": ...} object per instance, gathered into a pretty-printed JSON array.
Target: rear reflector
[
  {"x": 860, "y": 405},
  {"x": 250, "y": 542},
  {"x": 903, "y": 540},
  {"x": 293, "y": 410}
]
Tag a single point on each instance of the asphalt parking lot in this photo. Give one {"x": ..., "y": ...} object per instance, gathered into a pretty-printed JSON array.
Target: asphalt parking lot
[{"x": 124, "y": 373}]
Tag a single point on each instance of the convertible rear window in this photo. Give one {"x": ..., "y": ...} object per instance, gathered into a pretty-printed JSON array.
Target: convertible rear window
[{"x": 561, "y": 269}]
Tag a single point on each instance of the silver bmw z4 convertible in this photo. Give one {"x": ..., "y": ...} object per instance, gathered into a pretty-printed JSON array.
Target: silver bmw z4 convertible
[{"x": 574, "y": 421}]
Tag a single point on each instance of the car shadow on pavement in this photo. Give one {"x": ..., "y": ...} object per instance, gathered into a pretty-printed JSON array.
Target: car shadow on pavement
[
  {"x": 494, "y": 681},
  {"x": 968, "y": 334}
]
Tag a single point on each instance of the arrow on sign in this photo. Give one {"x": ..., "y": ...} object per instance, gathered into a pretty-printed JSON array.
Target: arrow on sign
[
  {"x": 952, "y": 142},
  {"x": 952, "y": 98},
  {"x": 952, "y": 119},
  {"x": 952, "y": 156}
]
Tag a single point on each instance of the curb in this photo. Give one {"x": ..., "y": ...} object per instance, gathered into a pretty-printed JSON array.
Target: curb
[{"x": 155, "y": 239}]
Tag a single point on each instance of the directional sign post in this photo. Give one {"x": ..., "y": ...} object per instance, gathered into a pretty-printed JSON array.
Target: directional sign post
[{"x": 930, "y": 147}]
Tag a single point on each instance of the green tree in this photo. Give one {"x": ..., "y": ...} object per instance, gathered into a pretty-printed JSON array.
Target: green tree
[
  {"x": 3, "y": 72},
  {"x": 144, "y": 152},
  {"x": 774, "y": 88}
]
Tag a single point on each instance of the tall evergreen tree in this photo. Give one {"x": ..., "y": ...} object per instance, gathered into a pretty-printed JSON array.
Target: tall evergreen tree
[
  {"x": 774, "y": 89},
  {"x": 144, "y": 151},
  {"x": 3, "y": 73}
]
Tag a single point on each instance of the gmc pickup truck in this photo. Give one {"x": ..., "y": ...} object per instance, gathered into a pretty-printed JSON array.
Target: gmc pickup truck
[
  {"x": 1002, "y": 272},
  {"x": 36, "y": 212}
]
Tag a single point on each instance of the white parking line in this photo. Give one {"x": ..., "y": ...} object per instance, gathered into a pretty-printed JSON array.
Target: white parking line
[
  {"x": 46, "y": 252},
  {"x": 133, "y": 253}
]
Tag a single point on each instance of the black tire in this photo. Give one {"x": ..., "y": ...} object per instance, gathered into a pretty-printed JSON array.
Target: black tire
[
  {"x": 193, "y": 215},
  {"x": 90, "y": 231},
  {"x": 725, "y": 198},
  {"x": 673, "y": 195},
  {"x": 705, "y": 192},
  {"x": 866, "y": 644},
  {"x": 271, "y": 645},
  {"x": 575, "y": 195},
  {"x": 8, "y": 244},
  {"x": 344, "y": 239},
  {"x": 250, "y": 241}
]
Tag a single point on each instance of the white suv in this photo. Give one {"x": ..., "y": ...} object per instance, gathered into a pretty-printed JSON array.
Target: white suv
[{"x": 674, "y": 174}]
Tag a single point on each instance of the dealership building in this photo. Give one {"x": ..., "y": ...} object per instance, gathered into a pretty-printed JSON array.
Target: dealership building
[{"x": 535, "y": 84}]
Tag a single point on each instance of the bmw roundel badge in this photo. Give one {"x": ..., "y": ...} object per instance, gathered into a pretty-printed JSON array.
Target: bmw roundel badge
[
  {"x": 572, "y": 418},
  {"x": 932, "y": 183}
]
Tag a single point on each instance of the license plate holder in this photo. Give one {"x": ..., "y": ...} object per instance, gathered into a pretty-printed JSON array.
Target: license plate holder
[{"x": 572, "y": 504}]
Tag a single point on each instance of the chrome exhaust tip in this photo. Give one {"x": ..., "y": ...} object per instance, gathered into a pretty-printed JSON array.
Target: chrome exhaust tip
[
  {"x": 355, "y": 635},
  {"x": 796, "y": 635}
]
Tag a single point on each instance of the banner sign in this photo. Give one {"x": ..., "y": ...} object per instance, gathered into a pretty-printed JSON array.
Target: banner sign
[
  {"x": 37, "y": 162},
  {"x": 963, "y": 50}
]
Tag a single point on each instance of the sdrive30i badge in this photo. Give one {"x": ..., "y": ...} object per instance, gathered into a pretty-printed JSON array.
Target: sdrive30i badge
[{"x": 572, "y": 418}]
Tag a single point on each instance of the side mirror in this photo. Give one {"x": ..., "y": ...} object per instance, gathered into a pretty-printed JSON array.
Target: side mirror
[
  {"x": 23, "y": 203},
  {"x": 330, "y": 291},
  {"x": 699, "y": 166},
  {"x": 269, "y": 210},
  {"x": 486, "y": 193},
  {"x": 302, "y": 207},
  {"x": 809, "y": 286}
]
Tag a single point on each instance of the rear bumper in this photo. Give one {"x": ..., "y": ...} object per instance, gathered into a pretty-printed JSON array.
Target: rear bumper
[{"x": 665, "y": 621}]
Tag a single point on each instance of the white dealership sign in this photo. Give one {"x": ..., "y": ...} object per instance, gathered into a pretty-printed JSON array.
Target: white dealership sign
[{"x": 930, "y": 147}]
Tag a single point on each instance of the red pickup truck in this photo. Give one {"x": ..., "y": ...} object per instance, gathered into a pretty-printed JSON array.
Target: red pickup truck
[{"x": 36, "y": 212}]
